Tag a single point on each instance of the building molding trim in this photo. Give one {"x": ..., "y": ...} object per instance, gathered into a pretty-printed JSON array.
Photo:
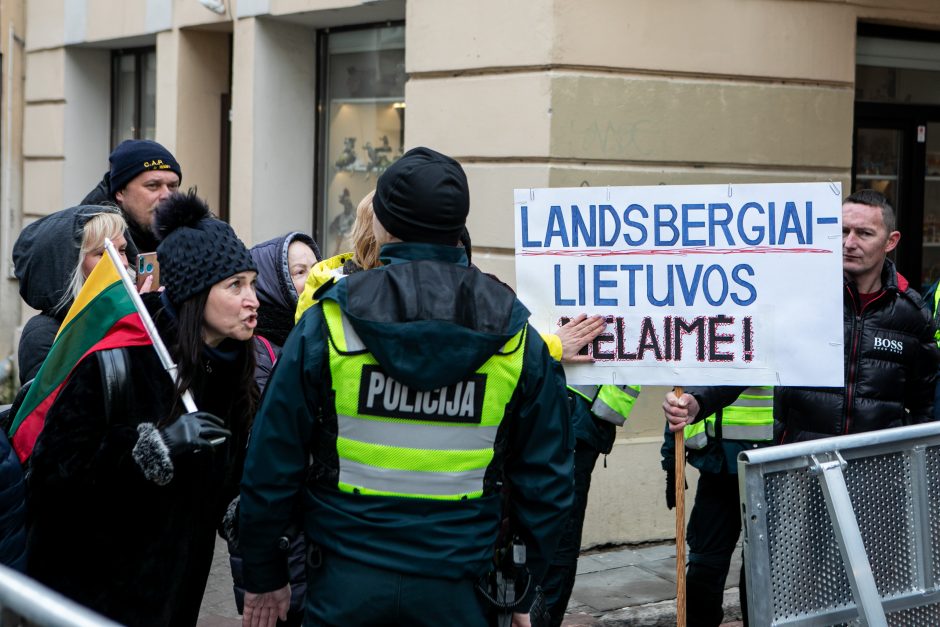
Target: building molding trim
[{"x": 582, "y": 70}]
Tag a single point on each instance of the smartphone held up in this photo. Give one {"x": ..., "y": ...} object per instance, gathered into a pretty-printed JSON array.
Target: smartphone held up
[{"x": 147, "y": 266}]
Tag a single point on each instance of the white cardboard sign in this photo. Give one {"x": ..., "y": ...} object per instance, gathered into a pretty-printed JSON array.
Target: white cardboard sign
[{"x": 701, "y": 285}]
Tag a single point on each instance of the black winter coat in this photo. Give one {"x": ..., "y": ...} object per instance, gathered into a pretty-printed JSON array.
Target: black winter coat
[
  {"x": 12, "y": 508},
  {"x": 891, "y": 362},
  {"x": 102, "y": 533},
  {"x": 35, "y": 342}
]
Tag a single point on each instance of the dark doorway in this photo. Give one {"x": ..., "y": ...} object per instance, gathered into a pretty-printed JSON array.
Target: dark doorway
[{"x": 896, "y": 147}]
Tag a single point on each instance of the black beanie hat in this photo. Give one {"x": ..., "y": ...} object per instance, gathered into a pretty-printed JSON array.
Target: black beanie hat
[
  {"x": 134, "y": 156},
  {"x": 196, "y": 250},
  {"x": 423, "y": 197}
]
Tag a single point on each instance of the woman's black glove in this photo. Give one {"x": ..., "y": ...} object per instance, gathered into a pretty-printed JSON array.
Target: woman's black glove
[{"x": 194, "y": 432}]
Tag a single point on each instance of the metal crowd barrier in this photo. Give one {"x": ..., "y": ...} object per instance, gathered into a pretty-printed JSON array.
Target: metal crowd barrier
[
  {"x": 845, "y": 530},
  {"x": 26, "y": 602}
]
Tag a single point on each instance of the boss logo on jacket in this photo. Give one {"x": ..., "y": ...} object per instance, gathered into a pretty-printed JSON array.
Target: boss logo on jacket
[
  {"x": 893, "y": 346},
  {"x": 381, "y": 395}
]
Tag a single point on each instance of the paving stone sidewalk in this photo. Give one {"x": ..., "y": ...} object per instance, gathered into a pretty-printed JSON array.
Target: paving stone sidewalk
[
  {"x": 633, "y": 586},
  {"x": 636, "y": 586}
]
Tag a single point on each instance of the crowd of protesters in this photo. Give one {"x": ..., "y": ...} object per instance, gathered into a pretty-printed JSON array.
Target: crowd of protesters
[{"x": 380, "y": 436}]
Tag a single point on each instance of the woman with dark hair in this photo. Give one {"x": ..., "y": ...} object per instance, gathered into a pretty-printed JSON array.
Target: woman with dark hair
[{"x": 126, "y": 488}]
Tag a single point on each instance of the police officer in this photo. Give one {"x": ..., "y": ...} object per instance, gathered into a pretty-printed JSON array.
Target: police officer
[
  {"x": 932, "y": 297},
  {"x": 426, "y": 406},
  {"x": 712, "y": 446},
  {"x": 596, "y": 411}
]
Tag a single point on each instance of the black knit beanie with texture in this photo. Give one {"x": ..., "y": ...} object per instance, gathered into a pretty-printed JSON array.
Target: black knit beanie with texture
[
  {"x": 196, "y": 250},
  {"x": 423, "y": 197}
]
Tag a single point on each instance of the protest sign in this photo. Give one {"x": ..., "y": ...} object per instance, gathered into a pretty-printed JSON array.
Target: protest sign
[{"x": 701, "y": 285}]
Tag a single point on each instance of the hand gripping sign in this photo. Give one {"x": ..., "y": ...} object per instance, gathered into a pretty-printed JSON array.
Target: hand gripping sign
[{"x": 703, "y": 285}]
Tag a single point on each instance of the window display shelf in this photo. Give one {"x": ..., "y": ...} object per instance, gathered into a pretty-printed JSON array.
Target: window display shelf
[
  {"x": 383, "y": 100},
  {"x": 877, "y": 177}
]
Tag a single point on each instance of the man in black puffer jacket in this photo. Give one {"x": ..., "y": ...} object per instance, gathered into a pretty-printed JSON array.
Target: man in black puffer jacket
[{"x": 891, "y": 356}]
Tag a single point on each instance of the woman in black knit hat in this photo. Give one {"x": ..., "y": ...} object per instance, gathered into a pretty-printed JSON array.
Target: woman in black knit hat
[{"x": 126, "y": 488}]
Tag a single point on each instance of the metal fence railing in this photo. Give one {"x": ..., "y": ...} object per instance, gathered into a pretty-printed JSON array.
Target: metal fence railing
[
  {"x": 26, "y": 602},
  {"x": 845, "y": 530}
]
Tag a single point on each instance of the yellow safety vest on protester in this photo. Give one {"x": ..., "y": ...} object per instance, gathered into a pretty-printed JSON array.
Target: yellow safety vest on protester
[
  {"x": 750, "y": 419},
  {"x": 612, "y": 403},
  {"x": 396, "y": 441}
]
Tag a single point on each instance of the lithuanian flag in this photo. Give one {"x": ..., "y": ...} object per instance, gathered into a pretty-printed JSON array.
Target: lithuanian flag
[{"x": 103, "y": 316}]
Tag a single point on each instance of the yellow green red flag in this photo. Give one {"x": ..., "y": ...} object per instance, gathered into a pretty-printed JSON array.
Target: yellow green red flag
[{"x": 103, "y": 316}]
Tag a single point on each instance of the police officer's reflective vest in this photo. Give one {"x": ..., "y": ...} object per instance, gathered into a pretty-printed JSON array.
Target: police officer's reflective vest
[
  {"x": 936, "y": 301},
  {"x": 612, "y": 403},
  {"x": 750, "y": 419},
  {"x": 395, "y": 441}
]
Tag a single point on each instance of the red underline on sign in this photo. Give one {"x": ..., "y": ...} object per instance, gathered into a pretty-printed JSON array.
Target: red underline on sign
[{"x": 596, "y": 252}]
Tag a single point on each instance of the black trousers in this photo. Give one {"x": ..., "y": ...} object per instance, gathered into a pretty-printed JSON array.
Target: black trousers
[
  {"x": 343, "y": 592},
  {"x": 712, "y": 534},
  {"x": 559, "y": 580}
]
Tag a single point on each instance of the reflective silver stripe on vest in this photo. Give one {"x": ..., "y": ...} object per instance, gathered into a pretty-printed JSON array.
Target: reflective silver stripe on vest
[
  {"x": 753, "y": 402},
  {"x": 605, "y": 412},
  {"x": 589, "y": 391},
  {"x": 353, "y": 343},
  {"x": 410, "y": 481},
  {"x": 629, "y": 390},
  {"x": 697, "y": 441},
  {"x": 423, "y": 436},
  {"x": 752, "y": 433}
]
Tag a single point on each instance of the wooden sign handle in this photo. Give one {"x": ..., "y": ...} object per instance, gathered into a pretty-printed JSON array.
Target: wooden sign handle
[{"x": 680, "y": 520}]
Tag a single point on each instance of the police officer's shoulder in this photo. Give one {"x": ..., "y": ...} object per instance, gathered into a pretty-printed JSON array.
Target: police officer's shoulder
[{"x": 497, "y": 279}]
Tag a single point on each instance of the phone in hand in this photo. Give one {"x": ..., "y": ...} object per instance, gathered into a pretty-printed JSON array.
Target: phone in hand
[{"x": 147, "y": 266}]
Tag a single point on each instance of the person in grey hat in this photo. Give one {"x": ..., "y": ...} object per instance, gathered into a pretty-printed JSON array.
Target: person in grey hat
[
  {"x": 412, "y": 409},
  {"x": 142, "y": 174}
]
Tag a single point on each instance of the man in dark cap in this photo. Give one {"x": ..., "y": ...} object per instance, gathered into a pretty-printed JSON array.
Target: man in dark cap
[
  {"x": 143, "y": 173},
  {"x": 412, "y": 409}
]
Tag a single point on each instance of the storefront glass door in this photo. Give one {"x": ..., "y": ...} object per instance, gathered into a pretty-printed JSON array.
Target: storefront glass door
[
  {"x": 897, "y": 139},
  {"x": 931, "y": 258}
]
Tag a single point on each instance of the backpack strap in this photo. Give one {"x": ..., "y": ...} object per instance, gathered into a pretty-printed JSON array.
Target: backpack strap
[
  {"x": 267, "y": 345},
  {"x": 115, "y": 381}
]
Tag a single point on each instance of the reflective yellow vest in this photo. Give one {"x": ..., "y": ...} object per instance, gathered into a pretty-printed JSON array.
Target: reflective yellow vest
[
  {"x": 750, "y": 419},
  {"x": 936, "y": 301},
  {"x": 612, "y": 403},
  {"x": 395, "y": 441}
]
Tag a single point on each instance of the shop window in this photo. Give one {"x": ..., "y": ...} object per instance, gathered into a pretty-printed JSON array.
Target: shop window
[
  {"x": 133, "y": 94},
  {"x": 362, "y": 123}
]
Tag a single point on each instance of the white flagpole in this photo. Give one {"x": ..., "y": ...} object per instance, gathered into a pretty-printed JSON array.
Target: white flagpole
[{"x": 158, "y": 345}]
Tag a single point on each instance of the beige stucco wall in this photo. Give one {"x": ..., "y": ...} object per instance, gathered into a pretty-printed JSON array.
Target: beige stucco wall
[
  {"x": 12, "y": 32},
  {"x": 273, "y": 128},
  {"x": 201, "y": 77}
]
